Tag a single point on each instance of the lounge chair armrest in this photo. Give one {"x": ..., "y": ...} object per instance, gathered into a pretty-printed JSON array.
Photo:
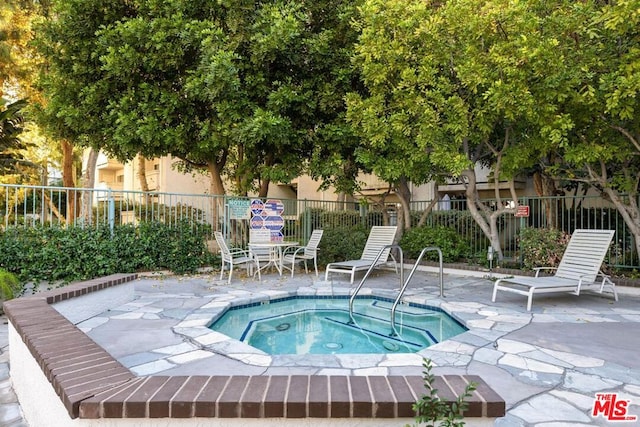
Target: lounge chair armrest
[
  {"x": 601, "y": 274},
  {"x": 538, "y": 269}
]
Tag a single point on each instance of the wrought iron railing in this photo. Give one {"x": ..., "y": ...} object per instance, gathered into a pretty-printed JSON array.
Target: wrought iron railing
[{"x": 25, "y": 206}]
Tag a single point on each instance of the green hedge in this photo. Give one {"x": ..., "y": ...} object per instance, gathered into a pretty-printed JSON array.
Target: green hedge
[
  {"x": 453, "y": 245},
  {"x": 55, "y": 254},
  {"x": 340, "y": 244}
]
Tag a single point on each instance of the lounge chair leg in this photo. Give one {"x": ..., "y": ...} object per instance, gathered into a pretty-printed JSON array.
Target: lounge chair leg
[{"x": 495, "y": 291}]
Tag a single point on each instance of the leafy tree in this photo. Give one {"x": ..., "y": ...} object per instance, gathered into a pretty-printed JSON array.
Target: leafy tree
[
  {"x": 603, "y": 143},
  {"x": 18, "y": 69},
  {"x": 11, "y": 126},
  {"x": 236, "y": 87},
  {"x": 464, "y": 83}
]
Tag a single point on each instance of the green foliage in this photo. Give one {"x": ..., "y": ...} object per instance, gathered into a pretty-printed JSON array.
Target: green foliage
[
  {"x": 54, "y": 254},
  {"x": 340, "y": 219},
  {"x": 321, "y": 218},
  {"x": 433, "y": 411},
  {"x": 342, "y": 243},
  {"x": 542, "y": 247},
  {"x": 11, "y": 126},
  {"x": 459, "y": 220},
  {"x": 452, "y": 244},
  {"x": 247, "y": 89},
  {"x": 10, "y": 286}
]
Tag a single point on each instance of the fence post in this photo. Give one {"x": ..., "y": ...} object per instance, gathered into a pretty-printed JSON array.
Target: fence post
[
  {"x": 307, "y": 222},
  {"x": 112, "y": 211},
  {"x": 523, "y": 225}
]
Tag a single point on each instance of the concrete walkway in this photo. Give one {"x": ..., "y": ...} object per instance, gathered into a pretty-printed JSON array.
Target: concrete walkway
[{"x": 547, "y": 364}]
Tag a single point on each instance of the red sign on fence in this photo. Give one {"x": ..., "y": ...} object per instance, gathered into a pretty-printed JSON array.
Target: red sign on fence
[{"x": 522, "y": 212}]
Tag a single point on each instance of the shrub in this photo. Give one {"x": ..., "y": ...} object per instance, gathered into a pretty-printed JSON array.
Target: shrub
[
  {"x": 9, "y": 286},
  {"x": 339, "y": 244},
  {"x": 542, "y": 247},
  {"x": 340, "y": 219},
  {"x": 453, "y": 245},
  {"x": 58, "y": 255}
]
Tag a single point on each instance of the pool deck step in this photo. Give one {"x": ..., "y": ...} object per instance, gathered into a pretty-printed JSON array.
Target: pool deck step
[{"x": 92, "y": 384}]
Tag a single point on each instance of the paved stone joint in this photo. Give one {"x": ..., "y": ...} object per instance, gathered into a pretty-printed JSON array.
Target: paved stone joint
[{"x": 92, "y": 384}]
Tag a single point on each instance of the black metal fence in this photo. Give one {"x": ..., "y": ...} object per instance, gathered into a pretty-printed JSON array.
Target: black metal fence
[{"x": 27, "y": 206}]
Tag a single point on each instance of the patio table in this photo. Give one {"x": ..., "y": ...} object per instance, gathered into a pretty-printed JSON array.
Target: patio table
[{"x": 275, "y": 252}]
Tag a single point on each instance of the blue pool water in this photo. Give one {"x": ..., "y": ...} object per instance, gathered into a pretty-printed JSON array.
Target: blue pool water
[{"x": 300, "y": 325}]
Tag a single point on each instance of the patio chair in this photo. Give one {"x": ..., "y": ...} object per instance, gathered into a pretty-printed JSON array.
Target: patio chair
[
  {"x": 579, "y": 267},
  {"x": 303, "y": 253},
  {"x": 235, "y": 257},
  {"x": 379, "y": 237},
  {"x": 264, "y": 255}
]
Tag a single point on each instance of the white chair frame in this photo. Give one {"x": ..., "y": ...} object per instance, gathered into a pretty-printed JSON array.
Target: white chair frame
[
  {"x": 303, "y": 253},
  {"x": 234, "y": 257}
]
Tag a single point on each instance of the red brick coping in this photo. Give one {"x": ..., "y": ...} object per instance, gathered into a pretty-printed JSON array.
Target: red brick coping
[{"x": 92, "y": 384}]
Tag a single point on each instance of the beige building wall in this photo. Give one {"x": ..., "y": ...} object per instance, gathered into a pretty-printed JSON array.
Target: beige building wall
[{"x": 163, "y": 177}]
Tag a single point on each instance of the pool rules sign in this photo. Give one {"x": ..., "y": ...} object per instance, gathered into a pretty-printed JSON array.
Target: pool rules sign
[{"x": 268, "y": 216}]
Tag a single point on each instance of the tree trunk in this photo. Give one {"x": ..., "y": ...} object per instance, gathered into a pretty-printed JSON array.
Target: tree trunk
[
  {"x": 473, "y": 201},
  {"x": 482, "y": 215},
  {"x": 216, "y": 189},
  {"x": 141, "y": 174},
  {"x": 630, "y": 211},
  {"x": 425, "y": 214},
  {"x": 264, "y": 188},
  {"x": 68, "y": 180},
  {"x": 88, "y": 182},
  {"x": 404, "y": 194},
  {"x": 545, "y": 187}
]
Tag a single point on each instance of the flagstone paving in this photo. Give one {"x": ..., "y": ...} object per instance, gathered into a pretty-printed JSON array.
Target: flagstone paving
[{"x": 548, "y": 364}]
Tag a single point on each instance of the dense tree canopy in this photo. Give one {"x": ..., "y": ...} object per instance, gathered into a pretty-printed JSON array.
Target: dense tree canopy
[
  {"x": 256, "y": 91},
  {"x": 511, "y": 85},
  {"x": 234, "y": 87}
]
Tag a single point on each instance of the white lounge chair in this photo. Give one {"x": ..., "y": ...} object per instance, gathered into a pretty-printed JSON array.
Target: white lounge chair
[
  {"x": 303, "y": 253},
  {"x": 235, "y": 257},
  {"x": 379, "y": 237},
  {"x": 579, "y": 267}
]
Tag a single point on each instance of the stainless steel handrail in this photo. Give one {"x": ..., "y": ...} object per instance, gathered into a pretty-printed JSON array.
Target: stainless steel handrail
[
  {"x": 404, "y": 285},
  {"x": 373, "y": 265}
]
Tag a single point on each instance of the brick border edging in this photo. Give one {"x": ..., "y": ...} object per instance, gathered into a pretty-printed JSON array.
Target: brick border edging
[{"x": 92, "y": 384}]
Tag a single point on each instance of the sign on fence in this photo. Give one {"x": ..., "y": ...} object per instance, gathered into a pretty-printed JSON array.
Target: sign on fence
[
  {"x": 268, "y": 216},
  {"x": 522, "y": 211},
  {"x": 239, "y": 208}
]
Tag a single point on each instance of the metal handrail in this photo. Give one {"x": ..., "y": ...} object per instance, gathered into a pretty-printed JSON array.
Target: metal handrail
[
  {"x": 404, "y": 285},
  {"x": 373, "y": 265}
]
